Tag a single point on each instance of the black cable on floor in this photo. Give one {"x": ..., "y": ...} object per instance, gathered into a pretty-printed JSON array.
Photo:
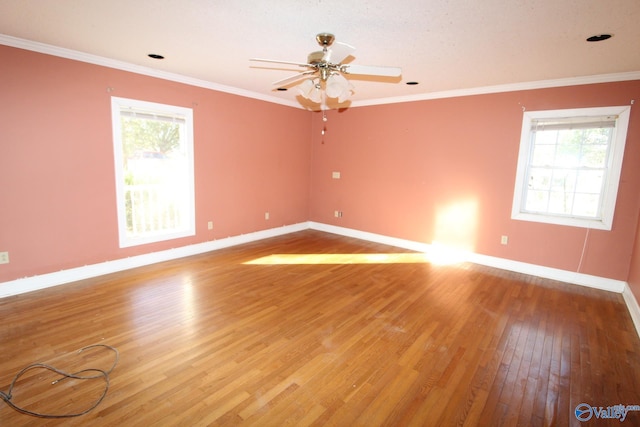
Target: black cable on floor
[{"x": 80, "y": 375}]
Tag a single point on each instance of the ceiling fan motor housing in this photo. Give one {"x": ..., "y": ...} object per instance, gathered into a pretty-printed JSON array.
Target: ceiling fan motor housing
[{"x": 315, "y": 58}]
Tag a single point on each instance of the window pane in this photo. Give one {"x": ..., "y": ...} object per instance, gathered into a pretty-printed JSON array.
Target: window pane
[
  {"x": 540, "y": 179},
  {"x": 560, "y": 203},
  {"x": 568, "y": 154},
  {"x": 589, "y": 181},
  {"x": 546, "y": 137},
  {"x": 594, "y": 156},
  {"x": 563, "y": 180},
  {"x": 597, "y": 135},
  {"x": 586, "y": 205},
  {"x": 537, "y": 201},
  {"x": 543, "y": 155}
]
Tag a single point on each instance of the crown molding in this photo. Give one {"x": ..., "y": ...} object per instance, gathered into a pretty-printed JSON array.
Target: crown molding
[
  {"x": 138, "y": 69},
  {"x": 511, "y": 87},
  {"x": 133, "y": 68}
]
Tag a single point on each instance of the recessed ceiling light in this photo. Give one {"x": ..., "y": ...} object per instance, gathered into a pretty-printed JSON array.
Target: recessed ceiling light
[
  {"x": 155, "y": 56},
  {"x": 412, "y": 83},
  {"x": 599, "y": 38}
]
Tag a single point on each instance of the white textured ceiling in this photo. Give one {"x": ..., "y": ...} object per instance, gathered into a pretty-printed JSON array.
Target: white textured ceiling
[{"x": 445, "y": 45}]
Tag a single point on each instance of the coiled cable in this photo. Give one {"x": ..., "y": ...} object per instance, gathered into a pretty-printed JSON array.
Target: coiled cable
[{"x": 79, "y": 375}]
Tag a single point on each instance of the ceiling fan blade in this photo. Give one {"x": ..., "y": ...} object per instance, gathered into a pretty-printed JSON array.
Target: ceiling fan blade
[
  {"x": 294, "y": 78},
  {"x": 370, "y": 70},
  {"x": 275, "y": 61},
  {"x": 338, "y": 52}
]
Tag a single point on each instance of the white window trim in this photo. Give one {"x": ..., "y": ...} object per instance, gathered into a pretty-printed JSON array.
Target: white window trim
[
  {"x": 116, "y": 105},
  {"x": 610, "y": 191}
]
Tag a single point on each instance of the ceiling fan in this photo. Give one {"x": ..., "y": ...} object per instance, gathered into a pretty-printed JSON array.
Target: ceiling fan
[{"x": 326, "y": 71}]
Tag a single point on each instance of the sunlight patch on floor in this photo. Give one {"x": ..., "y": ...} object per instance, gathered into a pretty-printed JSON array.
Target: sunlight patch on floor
[
  {"x": 377, "y": 258},
  {"x": 442, "y": 254},
  {"x": 439, "y": 255}
]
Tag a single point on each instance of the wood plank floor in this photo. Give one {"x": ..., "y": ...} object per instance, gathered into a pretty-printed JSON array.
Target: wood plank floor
[{"x": 273, "y": 334}]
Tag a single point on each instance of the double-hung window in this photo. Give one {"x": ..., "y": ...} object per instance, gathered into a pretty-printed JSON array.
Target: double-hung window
[
  {"x": 569, "y": 166},
  {"x": 153, "y": 150}
]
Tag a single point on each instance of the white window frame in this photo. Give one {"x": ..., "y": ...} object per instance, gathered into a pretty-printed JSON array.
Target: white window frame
[
  {"x": 612, "y": 175},
  {"x": 117, "y": 105}
]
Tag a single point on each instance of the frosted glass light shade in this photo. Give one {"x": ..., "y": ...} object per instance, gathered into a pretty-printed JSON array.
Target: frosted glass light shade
[
  {"x": 337, "y": 86},
  {"x": 311, "y": 90},
  {"x": 306, "y": 87},
  {"x": 315, "y": 95}
]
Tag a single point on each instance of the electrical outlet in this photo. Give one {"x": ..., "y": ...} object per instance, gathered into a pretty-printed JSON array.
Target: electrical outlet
[
  {"x": 504, "y": 240},
  {"x": 210, "y": 225},
  {"x": 335, "y": 175},
  {"x": 266, "y": 215},
  {"x": 337, "y": 214},
  {"x": 4, "y": 257}
]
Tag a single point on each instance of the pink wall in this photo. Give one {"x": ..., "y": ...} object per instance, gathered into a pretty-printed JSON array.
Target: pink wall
[
  {"x": 57, "y": 198},
  {"x": 444, "y": 170},
  {"x": 438, "y": 170}
]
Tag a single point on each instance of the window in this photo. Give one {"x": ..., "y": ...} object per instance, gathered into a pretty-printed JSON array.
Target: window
[
  {"x": 153, "y": 150},
  {"x": 569, "y": 166}
]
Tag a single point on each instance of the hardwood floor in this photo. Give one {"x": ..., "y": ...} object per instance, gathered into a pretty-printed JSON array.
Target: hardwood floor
[{"x": 242, "y": 336}]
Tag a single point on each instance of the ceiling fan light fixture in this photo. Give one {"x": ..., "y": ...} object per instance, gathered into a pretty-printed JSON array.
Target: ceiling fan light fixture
[
  {"x": 345, "y": 96},
  {"x": 306, "y": 87},
  {"x": 326, "y": 72},
  {"x": 337, "y": 86},
  {"x": 316, "y": 94},
  {"x": 311, "y": 90}
]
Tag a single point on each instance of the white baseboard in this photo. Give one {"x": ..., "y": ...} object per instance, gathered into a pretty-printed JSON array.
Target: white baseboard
[
  {"x": 597, "y": 282},
  {"x": 34, "y": 283},
  {"x": 632, "y": 305},
  {"x": 501, "y": 263},
  {"x": 28, "y": 284},
  {"x": 47, "y": 280}
]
